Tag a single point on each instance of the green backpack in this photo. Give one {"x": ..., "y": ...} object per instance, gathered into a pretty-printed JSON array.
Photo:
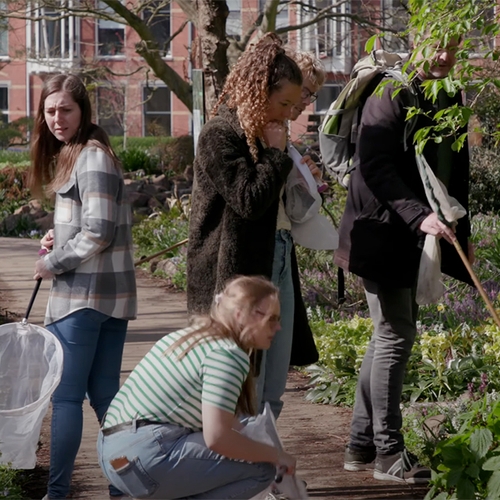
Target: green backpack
[{"x": 338, "y": 133}]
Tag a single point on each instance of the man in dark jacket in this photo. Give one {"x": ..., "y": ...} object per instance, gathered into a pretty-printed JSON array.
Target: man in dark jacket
[{"x": 381, "y": 238}]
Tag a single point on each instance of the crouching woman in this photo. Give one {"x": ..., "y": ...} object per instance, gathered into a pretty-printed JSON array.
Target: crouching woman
[{"x": 172, "y": 431}]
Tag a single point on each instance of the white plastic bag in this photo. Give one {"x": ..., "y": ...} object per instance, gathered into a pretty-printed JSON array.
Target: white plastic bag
[
  {"x": 31, "y": 361},
  {"x": 430, "y": 288},
  {"x": 429, "y": 285},
  {"x": 262, "y": 428},
  {"x": 309, "y": 228}
]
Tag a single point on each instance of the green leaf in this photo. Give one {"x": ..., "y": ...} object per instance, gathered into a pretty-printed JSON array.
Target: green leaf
[
  {"x": 370, "y": 43},
  {"x": 465, "y": 489},
  {"x": 453, "y": 476},
  {"x": 492, "y": 463},
  {"x": 473, "y": 471},
  {"x": 480, "y": 442},
  {"x": 493, "y": 487}
]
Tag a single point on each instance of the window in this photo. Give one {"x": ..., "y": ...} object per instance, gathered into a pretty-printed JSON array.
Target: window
[
  {"x": 234, "y": 25},
  {"x": 157, "y": 111},
  {"x": 327, "y": 94},
  {"x": 395, "y": 16},
  {"x": 282, "y": 18},
  {"x": 53, "y": 35},
  {"x": 110, "y": 34},
  {"x": 4, "y": 104},
  {"x": 157, "y": 16},
  {"x": 330, "y": 32},
  {"x": 4, "y": 31},
  {"x": 110, "y": 109},
  {"x": 482, "y": 43}
]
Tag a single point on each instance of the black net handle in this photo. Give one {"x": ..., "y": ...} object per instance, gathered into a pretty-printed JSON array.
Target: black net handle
[{"x": 32, "y": 300}]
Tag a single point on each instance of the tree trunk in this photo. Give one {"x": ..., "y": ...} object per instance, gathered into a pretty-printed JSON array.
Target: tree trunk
[{"x": 212, "y": 47}]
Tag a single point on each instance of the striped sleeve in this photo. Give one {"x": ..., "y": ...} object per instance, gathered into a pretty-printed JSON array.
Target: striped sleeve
[{"x": 224, "y": 371}]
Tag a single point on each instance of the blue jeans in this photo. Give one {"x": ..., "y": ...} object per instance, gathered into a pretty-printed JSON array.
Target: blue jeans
[
  {"x": 93, "y": 346},
  {"x": 167, "y": 461},
  {"x": 271, "y": 382},
  {"x": 377, "y": 421}
]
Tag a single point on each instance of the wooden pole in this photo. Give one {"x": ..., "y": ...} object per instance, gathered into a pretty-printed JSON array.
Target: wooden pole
[
  {"x": 161, "y": 252},
  {"x": 476, "y": 281}
]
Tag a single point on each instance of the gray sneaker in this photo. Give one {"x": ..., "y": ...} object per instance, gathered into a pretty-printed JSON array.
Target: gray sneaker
[
  {"x": 402, "y": 467},
  {"x": 358, "y": 460}
]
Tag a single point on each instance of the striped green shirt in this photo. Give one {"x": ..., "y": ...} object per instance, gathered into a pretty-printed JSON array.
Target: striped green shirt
[{"x": 168, "y": 390}]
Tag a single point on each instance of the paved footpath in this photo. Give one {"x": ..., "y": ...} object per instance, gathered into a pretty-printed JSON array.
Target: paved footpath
[{"x": 315, "y": 434}]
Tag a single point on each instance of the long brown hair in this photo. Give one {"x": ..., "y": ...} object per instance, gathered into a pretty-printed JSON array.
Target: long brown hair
[
  {"x": 261, "y": 70},
  {"x": 244, "y": 294},
  {"x": 52, "y": 160}
]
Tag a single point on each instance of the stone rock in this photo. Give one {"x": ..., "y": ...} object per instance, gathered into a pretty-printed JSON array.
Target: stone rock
[
  {"x": 433, "y": 426},
  {"x": 133, "y": 185},
  {"x": 162, "y": 181},
  {"x": 46, "y": 222},
  {"x": 168, "y": 266},
  {"x": 24, "y": 210},
  {"x": 36, "y": 206},
  {"x": 137, "y": 199}
]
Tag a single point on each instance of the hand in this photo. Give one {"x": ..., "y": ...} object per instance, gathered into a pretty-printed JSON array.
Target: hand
[
  {"x": 471, "y": 253},
  {"x": 47, "y": 242},
  {"x": 286, "y": 461},
  {"x": 275, "y": 135},
  {"x": 432, "y": 225},
  {"x": 41, "y": 270},
  {"x": 313, "y": 168}
]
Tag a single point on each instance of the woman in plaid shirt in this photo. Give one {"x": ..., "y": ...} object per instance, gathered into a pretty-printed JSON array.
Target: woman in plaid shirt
[{"x": 89, "y": 260}]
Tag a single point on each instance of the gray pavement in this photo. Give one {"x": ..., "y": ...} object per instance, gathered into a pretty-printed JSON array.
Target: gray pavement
[
  {"x": 159, "y": 313},
  {"x": 315, "y": 434}
]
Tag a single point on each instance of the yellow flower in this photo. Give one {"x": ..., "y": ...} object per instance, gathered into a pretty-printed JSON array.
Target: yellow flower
[{"x": 440, "y": 307}]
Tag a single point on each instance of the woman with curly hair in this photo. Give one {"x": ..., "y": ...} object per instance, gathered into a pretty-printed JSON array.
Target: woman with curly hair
[
  {"x": 240, "y": 169},
  {"x": 294, "y": 343}
]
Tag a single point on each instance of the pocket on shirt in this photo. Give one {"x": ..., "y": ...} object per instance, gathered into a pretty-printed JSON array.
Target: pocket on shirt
[{"x": 66, "y": 198}]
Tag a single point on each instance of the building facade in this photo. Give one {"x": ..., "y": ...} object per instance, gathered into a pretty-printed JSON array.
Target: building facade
[{"x": 129, "y": 99}]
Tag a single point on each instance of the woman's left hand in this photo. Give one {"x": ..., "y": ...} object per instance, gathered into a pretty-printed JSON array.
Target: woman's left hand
[
  {"x": 41, "y": 271},
  {"x": 313, "y": 168}
]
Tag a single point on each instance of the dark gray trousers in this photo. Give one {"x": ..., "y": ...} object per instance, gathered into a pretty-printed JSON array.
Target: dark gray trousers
[{"x": 377, "y": 420}]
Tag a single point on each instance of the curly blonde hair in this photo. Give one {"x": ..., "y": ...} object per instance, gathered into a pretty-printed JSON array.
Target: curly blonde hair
[
  {"x": 260, "y": 71},
  {"x": 312, "y": 68}
]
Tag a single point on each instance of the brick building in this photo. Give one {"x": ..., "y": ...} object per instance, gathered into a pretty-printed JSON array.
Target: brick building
[{"x": 127, "y": 95}]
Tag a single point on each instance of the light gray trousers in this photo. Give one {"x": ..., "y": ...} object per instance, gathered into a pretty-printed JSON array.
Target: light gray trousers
[{"x": 377, "y": 421}]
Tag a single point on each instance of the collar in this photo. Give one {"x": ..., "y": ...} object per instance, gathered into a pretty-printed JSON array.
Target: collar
[{"x": 231, "y": 117}]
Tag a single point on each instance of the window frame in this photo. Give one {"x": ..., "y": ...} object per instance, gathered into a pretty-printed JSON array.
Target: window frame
[
  {"x": 5, "y": 113},
  {"x": 4, "y": 32},
  {"x": 121, "y": 54},
  {"x": 168, "y": 52},
  {"x": 67, "y": 34},
  {"x": 106, "y": 86},
  {"x": 331, "y": 84},
  {"x": 145, "y": 100}
]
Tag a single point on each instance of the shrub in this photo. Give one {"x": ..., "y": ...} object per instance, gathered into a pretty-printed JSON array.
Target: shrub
[
  {"x": 484, "y": 181},
  {"x": 466, "y": 463},
  {"x": 10, "y": 483},
  {"x": 134, "y": 159},
  {"x": 143, "y": 143},
  {"x": 157, "y": 233}
]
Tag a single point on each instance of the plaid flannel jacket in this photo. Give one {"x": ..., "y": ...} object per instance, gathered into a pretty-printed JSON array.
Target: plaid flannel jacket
[{"x": 92, "y": 256}]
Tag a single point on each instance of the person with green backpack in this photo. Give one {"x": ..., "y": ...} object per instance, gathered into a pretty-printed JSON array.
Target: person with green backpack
[{"x": 382, "y": 233}]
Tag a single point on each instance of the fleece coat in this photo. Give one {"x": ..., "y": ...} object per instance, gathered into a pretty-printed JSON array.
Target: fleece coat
[{"x": 233, "y": 215}]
